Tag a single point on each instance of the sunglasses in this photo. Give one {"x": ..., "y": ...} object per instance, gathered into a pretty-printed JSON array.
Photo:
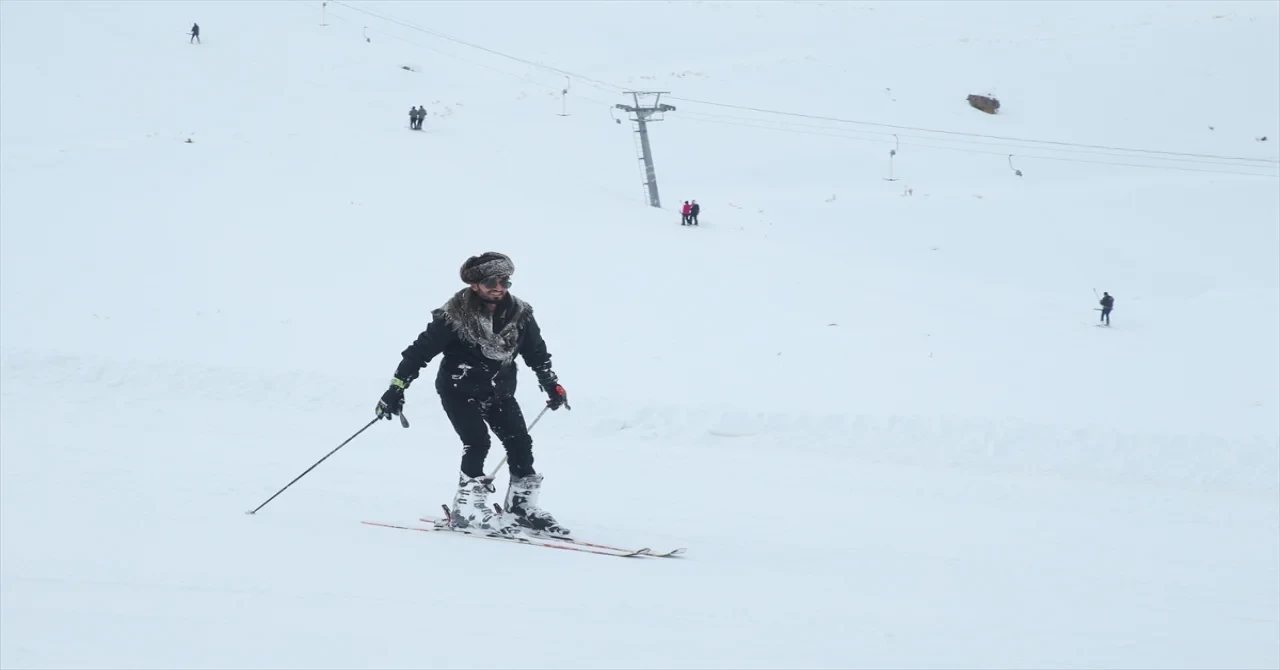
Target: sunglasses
[{"x": 494, "y": 282}]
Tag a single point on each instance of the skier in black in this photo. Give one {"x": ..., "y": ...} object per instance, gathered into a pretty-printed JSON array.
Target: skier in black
[
  {"x": 195, "y": 33},
  {"x": 694, "y": 209},
  {"x": 480, "y": 331},
  {"x": 1107, "y": 302},
  {"x": 413, "y": 118}
]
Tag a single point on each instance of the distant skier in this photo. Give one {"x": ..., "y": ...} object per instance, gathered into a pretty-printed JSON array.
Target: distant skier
[
  {"x": 413, "y": 118},
  {"x": 480, "y": 331},
  {"x": 422, "y": 115},
  {"x": 195, "y": 33},
  {"x": 1107, "y": 302},
  {"x": 685, "y": 213},
  {"x": 694, "y": 209}
]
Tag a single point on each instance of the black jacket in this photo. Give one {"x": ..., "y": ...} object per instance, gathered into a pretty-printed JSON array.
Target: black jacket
[
  {"x": 1107, "y": 302},
  {"x": 479, "y": 349}
]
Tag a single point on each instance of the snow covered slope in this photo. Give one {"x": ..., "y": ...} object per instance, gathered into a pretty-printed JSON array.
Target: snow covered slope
[{"x": 878, "y": 413}]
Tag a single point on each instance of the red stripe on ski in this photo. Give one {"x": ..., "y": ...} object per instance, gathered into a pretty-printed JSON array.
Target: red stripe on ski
[
  {"x": 533, "y": 542},
  {"x": 647, "y": 552}
]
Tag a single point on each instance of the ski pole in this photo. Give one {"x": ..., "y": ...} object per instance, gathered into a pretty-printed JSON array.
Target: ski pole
[
  {"x": 493, "y": 475},
  {"x": 304, "y": 472}
]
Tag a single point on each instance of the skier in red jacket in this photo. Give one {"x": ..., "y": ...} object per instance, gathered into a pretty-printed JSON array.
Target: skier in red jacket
[{"x": 685, "y": 212}]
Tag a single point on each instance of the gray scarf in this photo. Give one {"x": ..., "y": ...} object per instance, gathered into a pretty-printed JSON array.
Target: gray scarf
[{"x": 472, "y": 321}]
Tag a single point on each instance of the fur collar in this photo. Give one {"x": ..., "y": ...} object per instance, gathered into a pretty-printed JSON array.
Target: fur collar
[{"x": 473, "y": 323}]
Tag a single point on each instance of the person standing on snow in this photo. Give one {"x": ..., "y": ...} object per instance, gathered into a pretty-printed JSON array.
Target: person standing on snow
[
  {"x": 1107, "y": 302},
  {"x": 684, "y": 214},
  {"x": 480, "y": 331},
  {"x": 195, "y": 33},
  {"x": 694, "y": 209},
  {"x": 413, "y": 118}
]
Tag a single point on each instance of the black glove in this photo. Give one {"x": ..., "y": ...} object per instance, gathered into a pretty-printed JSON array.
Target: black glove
[
  {"x": 556, "y": 396},
  {"x": 392, "y": 401}
]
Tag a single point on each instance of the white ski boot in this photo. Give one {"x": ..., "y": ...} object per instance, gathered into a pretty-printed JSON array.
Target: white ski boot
[
  {"x": 471, "y": 510},
  {"x": 522, "y": 506}
]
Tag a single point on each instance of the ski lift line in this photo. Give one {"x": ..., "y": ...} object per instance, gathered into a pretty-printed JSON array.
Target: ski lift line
[
  {"x": 967, "y": 134},
  {"x": 469, "y": 61},
  {"x": 841, "y": 133},
  {"x": 1001, "y": 153},
  {"x": 598, "y": 84},
  {"x": 401, "y": 38},
  {"x": 406, "y": 24},
  {"x": 449, "y": 55},
  {"x": 970, "y": 141}
]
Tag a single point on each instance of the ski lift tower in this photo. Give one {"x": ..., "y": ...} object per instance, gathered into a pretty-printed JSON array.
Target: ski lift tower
[{"x": 643, "y": 115}]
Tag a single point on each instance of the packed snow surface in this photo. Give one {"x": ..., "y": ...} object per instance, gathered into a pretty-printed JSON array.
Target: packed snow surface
[{"x": 869, "y": 392}]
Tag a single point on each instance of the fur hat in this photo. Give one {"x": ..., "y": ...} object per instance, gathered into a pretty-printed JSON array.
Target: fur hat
[{"x": 486, "y": 265}]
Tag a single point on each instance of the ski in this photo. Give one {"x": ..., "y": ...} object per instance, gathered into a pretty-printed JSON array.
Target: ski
[
  {"x": 665, "y": 554},
  {"x": 533, "y": 542},
  {"x": 570, "y": 540}
]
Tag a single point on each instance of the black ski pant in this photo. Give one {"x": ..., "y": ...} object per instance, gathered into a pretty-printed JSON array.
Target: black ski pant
[
  {"x": 1106, "y": 315},
  {"x": 473, "y": 417}
]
